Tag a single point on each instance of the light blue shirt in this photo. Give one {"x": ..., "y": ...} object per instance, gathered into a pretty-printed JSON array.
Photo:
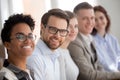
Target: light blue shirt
[
  {"x": 108, "y": 51},
  {"x": 44, "y": 62}
]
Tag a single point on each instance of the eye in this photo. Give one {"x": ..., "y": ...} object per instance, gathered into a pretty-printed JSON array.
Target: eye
[
  {"x": 20, "y": 36},
  {"x": 76, "y": 26},
  {"x": 84, "y": 18},
  {"x": 31, "y": 36},
  {"x": 101, "y": 18},
  {"x": 63, "y": 31},
  {"x": 52, "y": 29}
]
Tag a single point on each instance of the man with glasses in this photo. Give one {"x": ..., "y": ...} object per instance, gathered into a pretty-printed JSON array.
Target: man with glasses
[{"x": 46, "y": 61}]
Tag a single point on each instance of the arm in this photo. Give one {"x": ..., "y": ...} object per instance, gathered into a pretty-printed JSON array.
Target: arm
[
  {"x": 86, "y": 69},
  {"x": 35, "y": 64},
  {"x": 70, "y": 67}
]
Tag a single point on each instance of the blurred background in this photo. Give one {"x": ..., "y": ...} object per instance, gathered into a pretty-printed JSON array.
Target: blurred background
[{"x": 36, "y": 8}]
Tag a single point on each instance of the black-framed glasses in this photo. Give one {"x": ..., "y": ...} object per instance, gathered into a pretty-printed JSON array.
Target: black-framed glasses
[
  {"x": 54, "y": 30},
  {"x": 23, "y": 37}
]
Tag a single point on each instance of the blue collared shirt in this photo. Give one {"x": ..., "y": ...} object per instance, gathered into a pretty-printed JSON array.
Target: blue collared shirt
[
  {"x": 44, "y": 62},
  {"x": 108, "y": 51}
]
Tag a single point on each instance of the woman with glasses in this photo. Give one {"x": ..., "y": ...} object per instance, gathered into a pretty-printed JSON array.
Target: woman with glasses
[
  {"x": 18, "y": 39},
  {"x": 71, "y": 68}
]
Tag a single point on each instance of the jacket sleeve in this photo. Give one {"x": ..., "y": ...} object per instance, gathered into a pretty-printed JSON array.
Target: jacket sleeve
[{"x": 86, "y": 69}]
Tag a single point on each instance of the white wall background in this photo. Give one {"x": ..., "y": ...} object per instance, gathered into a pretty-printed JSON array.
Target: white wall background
[
  {"x": 112, "y": 7},
  {"x": 7, "y": 7},
  {"x": 69, "y": 4}
]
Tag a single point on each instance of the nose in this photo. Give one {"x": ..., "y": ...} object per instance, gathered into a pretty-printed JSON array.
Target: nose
[
  {"x": 72, "y": 29},
  {"x": 89, "y": 21}
]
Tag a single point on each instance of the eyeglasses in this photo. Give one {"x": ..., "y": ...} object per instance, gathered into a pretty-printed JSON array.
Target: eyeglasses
[
  {"x": 23, "y": 37},
  {"x": 53, "y": 30}
]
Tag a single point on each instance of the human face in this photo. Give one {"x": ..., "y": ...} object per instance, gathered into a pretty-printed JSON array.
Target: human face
[
  {"x": 53, "y": 41},
  {"x": 17, "y": 48},
  {"x": 73, "y": 29},
  {"x": 101, "y": 21},
  {"x": 86, "y": 21}
]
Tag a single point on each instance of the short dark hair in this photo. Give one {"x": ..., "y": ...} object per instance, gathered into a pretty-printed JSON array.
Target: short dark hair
[
  {"x": 54, "y": 12},
  {"x": 83, "y": 5},
  {"x": 101, "y": 9},
  {"x": 12, "y": 21},
  {"x": 70, "y": 14}
]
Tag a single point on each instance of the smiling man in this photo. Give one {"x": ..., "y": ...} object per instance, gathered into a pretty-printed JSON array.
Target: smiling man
[
  {"x": 46, "y": 61},
  {"x": 83, "y": 50}
]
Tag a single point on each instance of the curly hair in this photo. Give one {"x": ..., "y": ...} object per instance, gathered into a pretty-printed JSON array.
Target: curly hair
[{"x": 12, "y": 21}]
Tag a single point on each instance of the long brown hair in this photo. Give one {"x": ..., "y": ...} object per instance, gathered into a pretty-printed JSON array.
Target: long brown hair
[{"x": 101, "y": 9}]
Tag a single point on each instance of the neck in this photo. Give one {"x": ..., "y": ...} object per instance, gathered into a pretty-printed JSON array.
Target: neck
[
  {"x": 20, "y": 63},
  {"x": 102, "y": 33}
]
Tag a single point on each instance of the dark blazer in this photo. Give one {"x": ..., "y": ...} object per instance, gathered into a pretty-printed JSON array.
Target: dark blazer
[{"x": 87, "y": 62}]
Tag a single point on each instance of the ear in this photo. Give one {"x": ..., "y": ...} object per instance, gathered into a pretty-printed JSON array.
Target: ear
[
  {"x": 42, "y": 28},
  {"x": 7, "y": 45}
]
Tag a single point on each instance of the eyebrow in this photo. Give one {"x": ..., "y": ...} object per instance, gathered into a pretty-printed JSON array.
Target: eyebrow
[{"x": 56, "y": 28}]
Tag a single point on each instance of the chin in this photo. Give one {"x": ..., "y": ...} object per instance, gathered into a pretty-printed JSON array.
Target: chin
[
  {"x": 54, "y": 48},
  {"x": 28, "y": 53}
]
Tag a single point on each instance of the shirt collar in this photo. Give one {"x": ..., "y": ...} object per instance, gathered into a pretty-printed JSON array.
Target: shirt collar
[
  {"x": 88, "y": 39},
  {"x": 100, "y": 38}
]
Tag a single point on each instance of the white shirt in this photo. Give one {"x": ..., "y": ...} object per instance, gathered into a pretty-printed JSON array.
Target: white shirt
[
  {"x": 71, "y": 68},
  {"x": 44, "y": 63}
]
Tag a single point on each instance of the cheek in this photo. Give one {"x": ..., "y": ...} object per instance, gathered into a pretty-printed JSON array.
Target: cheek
[
  {"x": 33, "y": 43},
  {"x": 105, "y": 22},
  {"x": 13, "y": 48},
  {"x": 13, "y": 44},
  {"x": 76, "y": 31},
  {"x": 45, "y": 35},
  {"x": 61, "y": 40}
]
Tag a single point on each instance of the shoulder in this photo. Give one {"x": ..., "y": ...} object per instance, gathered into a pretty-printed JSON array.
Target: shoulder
[
  {"x": 77, "y": 43},
  {"x": 111, "y": 37},
  {"x": 5, "y": 72},
  {"x": 36, "y": 58}
]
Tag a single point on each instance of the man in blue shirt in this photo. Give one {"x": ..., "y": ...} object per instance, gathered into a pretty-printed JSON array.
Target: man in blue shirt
[{"x": 46, "y": 62}]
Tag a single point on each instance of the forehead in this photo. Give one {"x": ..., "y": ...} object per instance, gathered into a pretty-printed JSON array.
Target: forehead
[
  {"x": 86, "y": 12},
  {"x": 57, "y": 22},
  {"x": 21, "y": 27},
  {"x": 98, "y": 13},
  {"x": 73, "y": 21}
]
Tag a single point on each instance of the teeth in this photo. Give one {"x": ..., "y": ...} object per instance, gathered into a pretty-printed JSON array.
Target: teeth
[{"x": 27, "y": 47}]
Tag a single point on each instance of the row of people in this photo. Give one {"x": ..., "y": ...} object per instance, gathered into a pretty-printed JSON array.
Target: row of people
[
  {"x": 18, "y": 38},
  {"x": 83, "y": 50},
  {"x": 51, "y": 60},
  {"x": 107, "y": 45}
]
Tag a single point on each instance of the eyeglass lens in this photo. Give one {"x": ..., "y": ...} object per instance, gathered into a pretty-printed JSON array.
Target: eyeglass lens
[
  {"x": 53, "y": 30},
  {"x": 22, "y": 37}
]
